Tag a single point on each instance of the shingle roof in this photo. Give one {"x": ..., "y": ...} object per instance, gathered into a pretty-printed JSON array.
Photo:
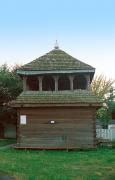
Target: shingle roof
[
  {"x": 56, "y": 60},
  {"x": 56, "y": 97}
]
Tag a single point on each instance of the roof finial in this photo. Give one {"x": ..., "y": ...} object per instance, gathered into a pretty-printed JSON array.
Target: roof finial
[{"x": 56, "y": 45}]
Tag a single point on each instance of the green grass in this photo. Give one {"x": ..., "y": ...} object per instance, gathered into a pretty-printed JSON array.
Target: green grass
[
  {"x": 58, "y": 165},
  {"x": 4, "y": 142}
]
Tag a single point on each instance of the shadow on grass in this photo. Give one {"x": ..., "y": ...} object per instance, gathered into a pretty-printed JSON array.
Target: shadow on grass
[{"x": 5, "y": 176}]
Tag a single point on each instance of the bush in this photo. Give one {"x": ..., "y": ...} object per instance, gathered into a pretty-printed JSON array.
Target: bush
[{"x": 113, "y": 144}]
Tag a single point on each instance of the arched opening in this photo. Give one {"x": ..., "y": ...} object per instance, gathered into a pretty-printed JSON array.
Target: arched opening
[
  {"x": 79, "y": 82},
  {"x": 48, "y": 83},
  {"x": 33, "y": 83},
  {"x": 63, "y": 83}
]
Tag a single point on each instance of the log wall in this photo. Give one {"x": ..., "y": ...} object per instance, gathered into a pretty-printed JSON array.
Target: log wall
[{"x": 74, "y": 128}]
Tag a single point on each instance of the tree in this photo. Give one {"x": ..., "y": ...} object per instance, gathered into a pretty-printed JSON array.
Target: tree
[
  {"x": 101, "y": 86},
  {"x": 10, "y": 83},
  {"x": 104, "y": 116},
  {"x": 110, "y": 101},
  {"x": 4, "y": 95},
  {"x": 10, "y": 88}
]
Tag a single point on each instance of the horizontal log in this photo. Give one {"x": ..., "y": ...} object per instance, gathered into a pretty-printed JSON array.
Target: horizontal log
[
  {"x": 59, "y": 119},
  {"x": 57, "y": 125},
  {"x": 59, "y": 115},
  {"x": 55, "y": 145},
  {"x": 62, "y": 111},
  {"x": 56, "y": 138}
]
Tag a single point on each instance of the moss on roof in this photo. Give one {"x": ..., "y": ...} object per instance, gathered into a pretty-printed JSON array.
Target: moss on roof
[
  {"x": 56, "y": 60},
  {"x": 56, "y": 97}
]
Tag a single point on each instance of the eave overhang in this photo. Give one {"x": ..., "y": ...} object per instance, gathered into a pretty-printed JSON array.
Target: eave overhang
[
  {"x": 20, "y": 105},
  {"x": 31, "y": 72}
]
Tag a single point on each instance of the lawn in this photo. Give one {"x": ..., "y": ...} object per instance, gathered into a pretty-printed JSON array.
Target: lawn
[{"x": 58, "y": 165}]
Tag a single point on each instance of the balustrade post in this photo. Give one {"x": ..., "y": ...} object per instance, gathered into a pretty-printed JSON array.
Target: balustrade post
[
  {"x": 88, "y": 81},
  {"x": 24, "y": 83},
  {"x": 71, "y": 77},
  {"x": 40, "y": 82},
  {"x": 56, "y": 82}
]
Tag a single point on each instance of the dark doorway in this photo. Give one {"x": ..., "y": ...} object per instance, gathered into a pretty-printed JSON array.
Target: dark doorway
[
  {"x": 79, "y": 82},
  {"x": 64, "y": 83},
  {"x": 48, "y": 84},
  {"x": 33, "y": 83}
]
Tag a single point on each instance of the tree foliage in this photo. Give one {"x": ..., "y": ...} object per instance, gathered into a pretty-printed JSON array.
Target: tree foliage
[
  {"x": 101, "y": 86},
  {"x": 10, "y": 87},
  {"x": 110, "y": 100},
  {"x": 4, "y": 95},
  {"x": 104, "y": 115},
  {"x": 10, "y": 84}
]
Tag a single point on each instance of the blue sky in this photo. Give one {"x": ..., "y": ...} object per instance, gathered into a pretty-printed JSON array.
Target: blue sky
[{"x": 83, "y": 28}]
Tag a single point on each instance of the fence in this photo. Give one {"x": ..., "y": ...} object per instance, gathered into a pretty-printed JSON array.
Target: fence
[{"x": 106, "y": 133}]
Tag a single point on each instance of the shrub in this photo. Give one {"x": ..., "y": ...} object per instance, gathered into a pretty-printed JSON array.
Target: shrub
[{"x": 113, "y": 144}]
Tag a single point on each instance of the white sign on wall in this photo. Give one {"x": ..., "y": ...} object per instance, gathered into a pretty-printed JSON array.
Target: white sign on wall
[
  {"x": 52, "y": 122},
  {"x": 23, "y": 119}
]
